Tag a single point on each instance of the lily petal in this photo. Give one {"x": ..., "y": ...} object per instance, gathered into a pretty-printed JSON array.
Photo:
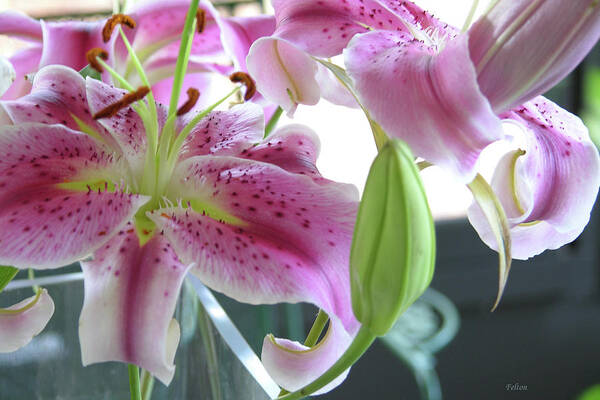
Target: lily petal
[
  {"x": 293, "y": 365},
  {"x": 427, "y": 98},
  {"x": 24, "y": 62},
  {"x": 263, "y": 235},
  {"x": 333, "y": 90},
  {"x": 79, "y": 35},
  {"x": 21, "y": 26},
  {"x": 284, "y": 74},
  {"x": 7, "y": 75},
  {"x": 49, "y": 217},
  {"x": 17, "y": 330},
  {"x": 58, "y": 96},
  {"x": 324, "y": 27},
  {"x": 510, "y": 69},
  {"x": 225, "y": 132},
  {"x": 294, "y": 148},
  {"x": 548, "y": 192},
  {"x": 130, "y": 296},
  {"x": 238, "y": 34}
]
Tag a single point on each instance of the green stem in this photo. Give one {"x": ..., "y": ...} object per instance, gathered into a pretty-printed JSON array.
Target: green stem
[
  {"x": 134, "y": 382},
  {"x": 184, "y": 53},
  {"x": 31, "y": 276},
  {"x": 313, "y": 335},
  {"x": 273, "y": 121},
  {"x": 147, "y": 385},
  {"x": 361, "y": 343},
  {"x": 317, "y": 328}
]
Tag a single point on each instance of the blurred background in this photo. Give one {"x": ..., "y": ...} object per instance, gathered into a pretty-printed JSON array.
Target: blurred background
[{"x": 544, "y": 339}]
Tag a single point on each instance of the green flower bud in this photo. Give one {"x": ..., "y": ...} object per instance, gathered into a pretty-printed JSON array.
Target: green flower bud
[{"x": 393, "y": 250}]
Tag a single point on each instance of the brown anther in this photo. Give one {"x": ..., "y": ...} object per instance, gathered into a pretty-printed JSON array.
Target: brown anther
[
  {"x": 92, "y": 58},
  {"x": 242, "y": 77},
  {"x": 129, "y": 98},
  {"x": 193, "y": 95},
  {"x": 200, "y": 20},
  {"x": 113, "y": 21}
]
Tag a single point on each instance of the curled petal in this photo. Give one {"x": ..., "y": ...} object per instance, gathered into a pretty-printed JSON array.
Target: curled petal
[
  {"x": 513, "y": 65},
  {"x": 324, "y": 27},
  {"x": 238, "y": 34},
  {"x": 50, "y": 214},
  {"x": 21, "y": 26},
  {"x": 426, "y": 97},
  {"x": 18, "y": 328},
  {"x": 130, "y": 296},
  {"x": 549, "y": 190},
  {"x": 263, "y": 235},
  {"x": 25, "y": 62},
  {"x": 333, "y": 90},
  {"x": 76, "y": 36},
  {"x": 293, "y": 365},
  {"x": 7, "y": 75},
  {"x": 58, "y": 96},
  {"x": 284, "y": 74}
]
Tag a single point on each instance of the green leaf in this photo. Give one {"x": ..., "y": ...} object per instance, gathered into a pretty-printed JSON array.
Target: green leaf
[
  {"x": 91, "y": 72},
  {"x": 6, "y": 275},
  {"x": 393, "y": 250},
  {"x": 494, "y": 213},
  {"x": 592, "y": 393}
]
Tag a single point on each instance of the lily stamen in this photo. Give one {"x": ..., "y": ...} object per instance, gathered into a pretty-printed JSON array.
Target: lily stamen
[
  {"x": 92, "y": 58},
  {"x": 113, "y": 21},
  {"x": 193, "y": 95},
  {"x": 200, "y": 20},
  {"x": 246, "y": 80},
  {"x": 128, "y": 99}
]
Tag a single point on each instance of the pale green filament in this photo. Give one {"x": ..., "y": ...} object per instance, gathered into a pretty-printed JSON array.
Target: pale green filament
[
  {"x": 470, "y": 16},
  {"x": 28, "y": 306}
]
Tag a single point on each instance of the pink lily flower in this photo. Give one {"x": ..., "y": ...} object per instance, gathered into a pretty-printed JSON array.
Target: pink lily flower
[
  {"x": 251, "y": 217},
  {"x": 155, "y": 39}
]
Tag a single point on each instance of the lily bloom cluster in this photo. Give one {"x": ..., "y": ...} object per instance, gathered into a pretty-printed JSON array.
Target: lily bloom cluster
[{"x": 153, "y": 191}]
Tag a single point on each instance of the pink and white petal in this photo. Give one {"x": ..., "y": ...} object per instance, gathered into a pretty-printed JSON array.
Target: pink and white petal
[
  {"x": 201, "y": 81},
  {"x": 7, "y": 75},
  {"x": 324, "y": 27},
  {"x": 130, "y": 296},
  {"x": 238, "y": 34},
  {"x": 333, "y": 90},
  {"x": 48, "y": 216},
  {"x": 549, "y": 191},
  {"x": 293, "y": 365},
  {"x": 294, "y": 148},
  {"x": 66, "y": 43},
  {"x": 284, "y": 74},
  {"x": 19, "y": 25},
  {"x": 17, "y": 330},
  {"x": 25, "y": 62},
  {"x": 427, "y": 98},
  {"x": 160, "y": 68},
  {"x": 261, "y": 234},
  {"x": 513, "y": 65},
  {"x": 225, "y": 133},
  {"x": 57, "y": 95}
]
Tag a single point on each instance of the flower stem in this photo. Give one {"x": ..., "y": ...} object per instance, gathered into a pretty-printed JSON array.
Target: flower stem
[
  {"x": 134, "y": 382},
  {"x": 184, "y": 54},
  {"x": 361, "y": 343},
  {"x": 313, "y": 335},
  {"x": 273, "y": 121},
  {"x": 147, "y": 385}
]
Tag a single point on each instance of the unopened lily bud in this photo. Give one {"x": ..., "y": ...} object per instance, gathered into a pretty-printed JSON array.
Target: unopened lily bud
[{"x": 393, "y": 250}]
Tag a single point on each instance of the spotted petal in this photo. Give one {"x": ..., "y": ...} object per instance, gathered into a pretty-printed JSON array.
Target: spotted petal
[
  {"x": 426, "y": 97},
  {"x": 547, "y": 192},
  {"x": 50, "y": 214},
  {"x": 261, "y": 234},
  {"x": 17, "y": 329},
  {"x": 130, "y": 296}
]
